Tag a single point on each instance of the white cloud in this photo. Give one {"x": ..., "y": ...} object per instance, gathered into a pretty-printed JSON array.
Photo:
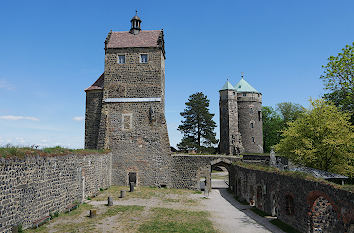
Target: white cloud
[
  {"x": 16, "y": 118},
  {"x": 5, "y": 85},
  {"x": 78, "y": 118}
]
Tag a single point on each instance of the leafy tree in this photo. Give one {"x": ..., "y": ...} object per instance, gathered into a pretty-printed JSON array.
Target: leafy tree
[
  {"x": 198, "y": 125},
  {"x": 321, "y": 138},
  {"x": 289, "y": 111},
  {"x": 272, "y": 125},
  {"x": 338, "y": 79},
  {"x": 276, "y": 120}
]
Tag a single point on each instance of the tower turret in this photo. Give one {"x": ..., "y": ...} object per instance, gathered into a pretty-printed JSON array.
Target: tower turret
[
  {"x": 249, "y": 102},
  {"x": 135, "y": 21},
  {"x": 230, "y": 138}
]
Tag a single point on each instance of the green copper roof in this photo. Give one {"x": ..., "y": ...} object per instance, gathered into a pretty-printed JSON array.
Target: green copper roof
[
  {"x": 227, "y": 86},
  {"x": 243, "y": 86}
]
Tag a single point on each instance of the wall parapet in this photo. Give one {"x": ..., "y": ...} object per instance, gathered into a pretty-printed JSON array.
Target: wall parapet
[{"x": 35, "y": 186}]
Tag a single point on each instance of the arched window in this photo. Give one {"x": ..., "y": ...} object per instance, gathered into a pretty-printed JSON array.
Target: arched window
[{"x": 252, "y": 125}]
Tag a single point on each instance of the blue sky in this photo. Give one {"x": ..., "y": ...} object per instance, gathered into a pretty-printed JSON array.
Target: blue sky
[{"x": 50, "y": 51}]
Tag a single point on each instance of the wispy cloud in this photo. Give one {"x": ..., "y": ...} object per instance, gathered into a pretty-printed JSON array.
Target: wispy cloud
[
  {"x": 5, "y": 85},
  {"x": 78, "y": 118},
  {"x": 16, "y": 118}
]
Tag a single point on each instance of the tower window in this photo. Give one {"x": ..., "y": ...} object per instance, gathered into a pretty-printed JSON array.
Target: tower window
[
  {"x": 121, "y": 59},
  {"x": 253, "y": 140},
  {"x": 126, "y": 121},
  {"x": 259, "y": 115},
  {"x": 252, "y": 125},
  {"x": 143, "y": 58}
]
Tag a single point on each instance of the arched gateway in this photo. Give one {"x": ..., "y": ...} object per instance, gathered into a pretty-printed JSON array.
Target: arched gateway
[{"x": 190, "y": 169}]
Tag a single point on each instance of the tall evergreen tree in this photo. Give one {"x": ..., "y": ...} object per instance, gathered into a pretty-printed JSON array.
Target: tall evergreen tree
[{"x": 198, "y": 125}]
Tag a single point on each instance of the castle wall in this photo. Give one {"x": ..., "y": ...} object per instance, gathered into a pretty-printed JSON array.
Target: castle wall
[
  {"x": 250, "y": 113},
  {"x": 33, "y": 187},
  {"x": 92, "y": 117},
  {"x": 308, "y": 206}
]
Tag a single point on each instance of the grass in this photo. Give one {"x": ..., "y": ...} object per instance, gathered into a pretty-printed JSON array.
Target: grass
[
  {"x": 63, "y": 216},
  {"x": 259, "y": 212},
  {"x": 285, "y": 227},
  {"x": 112, "y": 211},
  {"x": 9, "y": 151},
  {"x": 171, "y": 220}
]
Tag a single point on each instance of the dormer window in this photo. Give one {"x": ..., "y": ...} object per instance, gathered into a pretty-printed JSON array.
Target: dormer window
[
  {"x": 143, "y": 58},
  {"x": 121, "y": 59}
]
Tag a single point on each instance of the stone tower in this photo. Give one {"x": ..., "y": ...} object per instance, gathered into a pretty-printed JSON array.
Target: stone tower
[
  {"x": 249, "y": 102},
  {"x": 125, "y": 109},
  {"x": 230, "y": 138},
  {"x": 240, "y": 119}
]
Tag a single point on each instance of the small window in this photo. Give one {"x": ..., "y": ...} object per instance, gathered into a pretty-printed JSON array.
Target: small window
[
  {"x": 259, "y": 115},
  {"x": 244, "y": 94},
  {"x": 121, "y": 59},
  {"x": 252, "y": 125},
  {"x": 253, "y": 140},
  {"x": 127, "y": 121},
  {"x": 143, "y": 58}
]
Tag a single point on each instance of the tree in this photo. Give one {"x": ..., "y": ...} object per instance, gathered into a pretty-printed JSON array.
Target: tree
[
  {"x": 274, "y": 121},
  {"x": 321, "y": 138},
  {"x": 272, "y": 125},
  {"x": 338, "y": 79},
  {"x": 289, "y": 111},
  {"x": 198, "y": 125}
]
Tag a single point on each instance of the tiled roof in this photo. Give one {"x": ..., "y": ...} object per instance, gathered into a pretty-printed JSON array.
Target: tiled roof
[
  {"x": 243, "y": 86},
  {"x": 142, "y": 39},
  {"x": 98, "y": 85},
  {"x": 227, "y": 86}
]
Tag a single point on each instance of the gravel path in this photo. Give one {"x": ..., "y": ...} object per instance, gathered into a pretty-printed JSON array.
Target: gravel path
[{"x": 229, "y": 216}]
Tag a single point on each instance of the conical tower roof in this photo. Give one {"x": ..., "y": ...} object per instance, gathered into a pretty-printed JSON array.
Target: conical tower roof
[
  {"x": 243, "y": 86},
  {"x": 227, "y": 86}
]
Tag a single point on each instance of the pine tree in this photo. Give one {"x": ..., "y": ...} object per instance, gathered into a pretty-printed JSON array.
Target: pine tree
[{"x": 198, "y": 125}]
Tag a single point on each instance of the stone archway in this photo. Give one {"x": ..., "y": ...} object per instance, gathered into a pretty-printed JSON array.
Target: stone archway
[{"x": 221, "y": 178}]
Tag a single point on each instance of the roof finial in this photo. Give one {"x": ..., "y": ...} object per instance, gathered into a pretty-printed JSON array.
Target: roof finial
[
  {"x": 242, "y": 75},
  {"x": 136, "y": 12}
]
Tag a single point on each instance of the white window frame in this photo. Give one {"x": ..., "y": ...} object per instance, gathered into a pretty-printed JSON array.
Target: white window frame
[
  {"x": 130, "y": 115},
  {"x": 147, "y": 58},
  {"x": 118, "y": 55}
]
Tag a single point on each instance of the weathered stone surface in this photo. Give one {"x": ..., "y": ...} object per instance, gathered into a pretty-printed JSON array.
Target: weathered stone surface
[{"x": 33, "y": 187}]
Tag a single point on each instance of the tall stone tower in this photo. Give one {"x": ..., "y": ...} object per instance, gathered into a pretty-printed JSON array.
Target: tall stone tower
[
  {"x": 240, "y": 119},
  {"x": 230, "y": 138},
  {"x": 249, "y": 102},
  {"x": 125, "y": 109}
]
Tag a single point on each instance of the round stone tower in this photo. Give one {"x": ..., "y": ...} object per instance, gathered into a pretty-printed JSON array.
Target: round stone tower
[
  {"x": 249, "y": 102},
  {"x": 230, "y": 138}
]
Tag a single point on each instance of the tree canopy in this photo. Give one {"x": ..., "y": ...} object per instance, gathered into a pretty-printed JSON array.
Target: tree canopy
[
  {"x": 198, "y": 125},
  {"x": 321, "y": 138},
  {"x": 276, "y": 120},
  {"x": 338, "y": 79}
]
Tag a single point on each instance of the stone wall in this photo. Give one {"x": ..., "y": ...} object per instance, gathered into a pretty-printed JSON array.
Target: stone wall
[
  {"x": 92, "y": 117},
  {"x": 189, "y": 169},
  {"x": 308, "y": 206},
  {"x": 33, "y": 187}
]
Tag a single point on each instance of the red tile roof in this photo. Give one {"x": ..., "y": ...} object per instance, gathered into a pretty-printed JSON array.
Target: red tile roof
[
  {"x": 98, "y": 85},
  {"x": 142, "y": 39}
]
